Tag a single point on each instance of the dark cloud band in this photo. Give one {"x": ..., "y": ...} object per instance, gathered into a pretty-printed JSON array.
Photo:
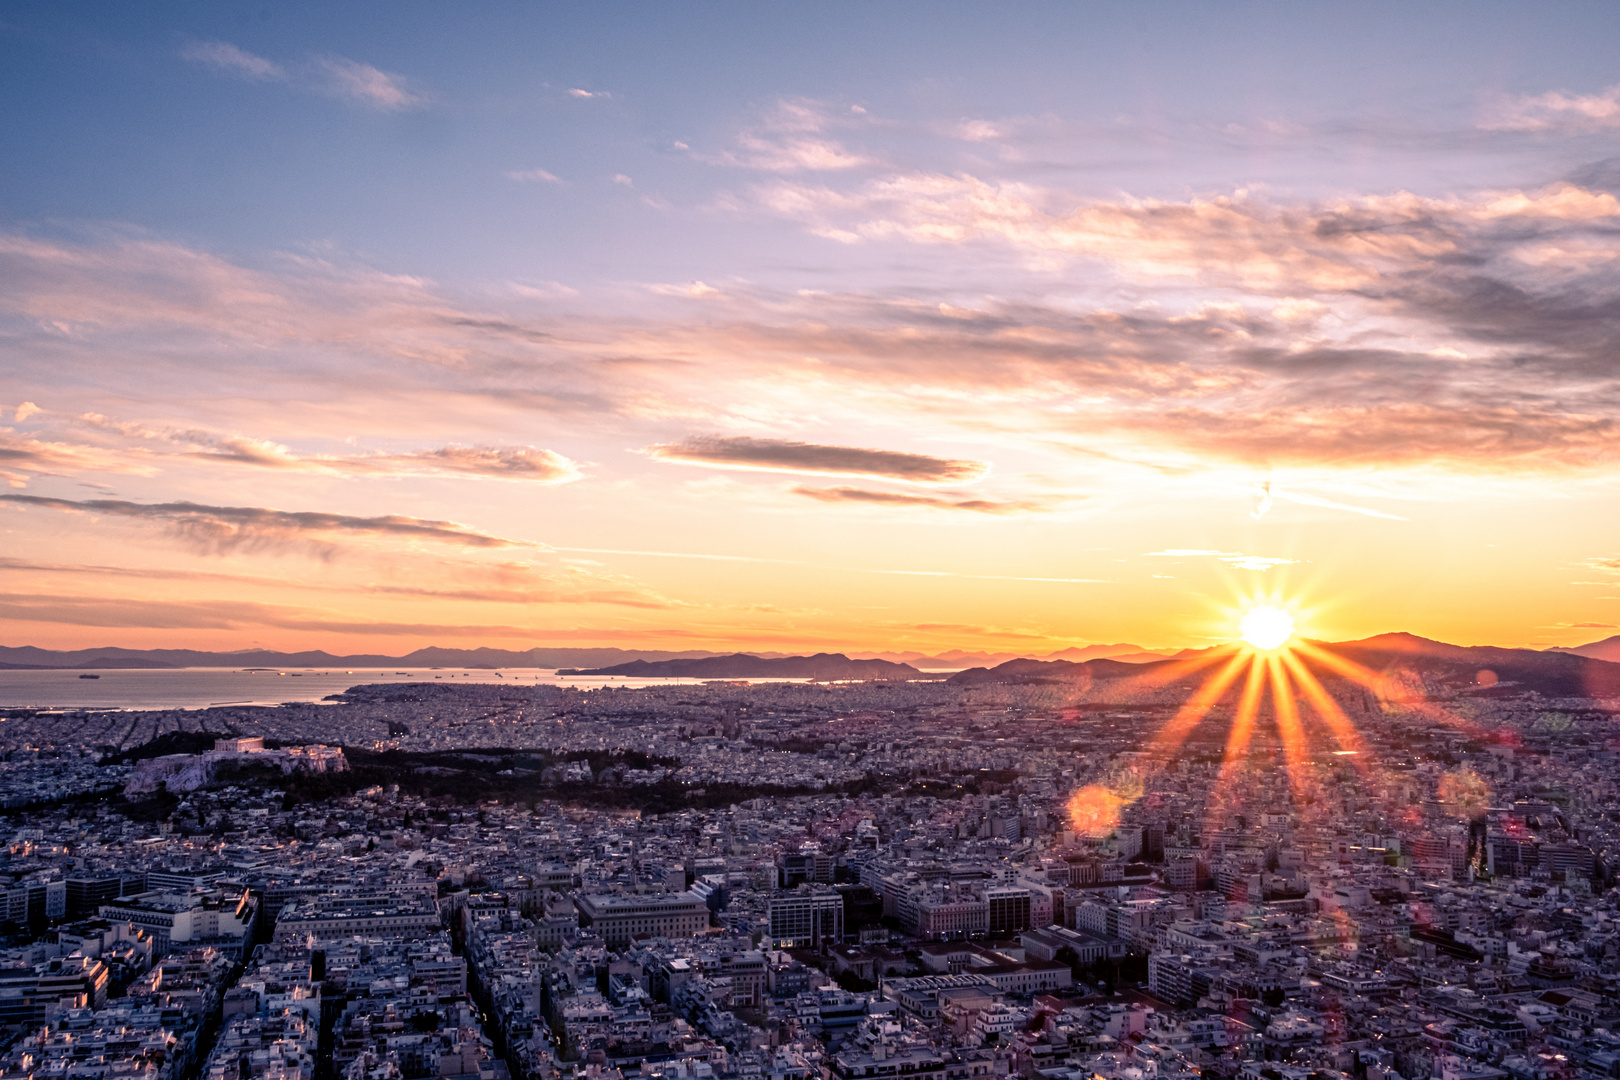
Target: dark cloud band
[
  {"x": 218, "y": 529},
  {"x": 780, "y": 455}
]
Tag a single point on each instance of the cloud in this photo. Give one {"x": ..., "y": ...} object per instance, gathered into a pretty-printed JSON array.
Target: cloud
[
  {"x": 1265, "y": 497},
  {"x": 227, "y": 58},
  {"x": 501, "y": 463},
  {"x": 696, "y": 290},
  {"x": 531, "y": 175},
  {"x": 65, "y": 459},
  {"x": 1231, "y": 558},
  {"x": 863, "y": 496},
  {"x": 363, "y": 83},
  {"x": 578, "y": 93},
  {"x": 976, "y": 131},
  {"x": 336, "y": 76},
  {"x": 781, "y": 455},
  {"x": 1236, "y": 240},
  {"x": 1255, "y": 562},
  {"x": 791, "y": 138},
  {"x": 221, "y": 615},
  {"x": 1592, "y": 626},
  {"x": 1556, "y": 110},
  {"x": 478, "y": 582},
  {"x": 24, "y": 411},
  {"x": 793, "y": 154},
  {"x": 1263, "y": 501},
  {"x": 1329, "y": 504},
  {"x": 1392, "y": 332},
  {"x": 219, "y": 530},
  {"x": 526, "y": 463}
]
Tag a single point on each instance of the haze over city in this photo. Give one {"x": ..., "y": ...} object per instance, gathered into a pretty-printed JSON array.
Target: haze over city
[{"x": 852, "y": 327}]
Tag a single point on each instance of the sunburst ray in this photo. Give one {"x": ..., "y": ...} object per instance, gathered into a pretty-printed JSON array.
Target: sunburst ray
[
  {"x": 1173, "y": 734},
  {"x": 1296, "y": 750}
]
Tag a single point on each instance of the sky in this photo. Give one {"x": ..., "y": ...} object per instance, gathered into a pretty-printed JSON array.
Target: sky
[{"x": 840, "y": 326}]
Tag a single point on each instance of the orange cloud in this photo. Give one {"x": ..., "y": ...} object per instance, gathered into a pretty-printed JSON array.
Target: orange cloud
[{"x": 863, "y": 496}]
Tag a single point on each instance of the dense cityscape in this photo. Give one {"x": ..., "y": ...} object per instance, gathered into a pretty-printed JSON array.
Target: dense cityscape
[{"x": 976, "y": 876}]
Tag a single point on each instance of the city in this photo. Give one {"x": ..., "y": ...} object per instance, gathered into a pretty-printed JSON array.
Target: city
[{"x": 946, "y": 878}]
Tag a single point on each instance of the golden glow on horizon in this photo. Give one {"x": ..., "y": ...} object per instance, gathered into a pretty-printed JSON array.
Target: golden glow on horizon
[
  {"x": 1270, "y": 677},
  {"x": 1266, "y": 627}
]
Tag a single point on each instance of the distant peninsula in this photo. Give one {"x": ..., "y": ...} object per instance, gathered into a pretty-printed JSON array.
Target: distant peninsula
[
  {"x": 30, "y": 658},
  {"x": 744, "y": 666}
]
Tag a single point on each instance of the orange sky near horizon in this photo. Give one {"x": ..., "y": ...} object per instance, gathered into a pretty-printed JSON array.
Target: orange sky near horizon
[{"x": 1018, "y": 340}]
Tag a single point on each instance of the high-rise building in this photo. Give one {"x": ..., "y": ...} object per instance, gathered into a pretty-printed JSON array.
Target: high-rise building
[{"x": 808, "y": 916}]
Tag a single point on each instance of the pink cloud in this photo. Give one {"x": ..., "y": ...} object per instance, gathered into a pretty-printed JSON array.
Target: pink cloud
[{"x": 1555, "y": 110}]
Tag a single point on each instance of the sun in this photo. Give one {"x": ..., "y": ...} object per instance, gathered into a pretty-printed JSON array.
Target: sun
[{"x": 1266, "y": 627}]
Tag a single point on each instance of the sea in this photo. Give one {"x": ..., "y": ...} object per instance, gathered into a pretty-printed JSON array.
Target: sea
[{"x": 200, "y": 688}]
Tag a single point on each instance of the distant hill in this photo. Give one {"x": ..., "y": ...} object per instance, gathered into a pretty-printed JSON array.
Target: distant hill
[
  {"x": 957, "y": 658},
  {"x": 1025, "y": 670},
  {"x": 1420, "y": 665},
  {"x": 93, "y": 663},
  {"x": 1552, "y": 674},
  {"x": 744, "y": 666},
  {"x": 1607, "y": 649}
]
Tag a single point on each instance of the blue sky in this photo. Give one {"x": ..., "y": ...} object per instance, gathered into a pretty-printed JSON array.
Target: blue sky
[
  {"x": 869, "y": 325},
  {"x": 118, "y": 126}
]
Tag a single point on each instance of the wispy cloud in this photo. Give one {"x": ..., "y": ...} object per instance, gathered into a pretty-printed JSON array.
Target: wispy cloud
[
  {"x": 31, "y": 455},
  {"x": 131, "y": 613},
  {"x": 336, "y": 76},
  {"x": 530, "y": 175},
  {"x": 476, "y": 582},
  {"x": 217, "y": 530},
  {"x": 1231, "y": 558},
  {"x": 368, "y": 85},
  {"x": 792, "y": 137},
  {"x": 1328, "y": 504},
  {"x": 781, "y": 455},
  {"x": 504, "y": 463},
  {"x": 697, "y": 290},
  {"x": 227, "y": 58},
  {"x": 866, "y": 497},
  {"x": 1556, "y": 110},
  {"x": 976, "y": 131},
  {"x": 527, "y": 463}
]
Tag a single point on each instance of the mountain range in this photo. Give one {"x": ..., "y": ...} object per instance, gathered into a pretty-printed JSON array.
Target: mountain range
[
  {"x": 1422, "y": 665},
  {"x": 32, "y": 658}
]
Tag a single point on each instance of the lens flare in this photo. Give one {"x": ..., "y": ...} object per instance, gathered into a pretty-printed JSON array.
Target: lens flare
[
  {"x": 1094, "y": 810},
  {"x": 1266, "y": 627}
]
